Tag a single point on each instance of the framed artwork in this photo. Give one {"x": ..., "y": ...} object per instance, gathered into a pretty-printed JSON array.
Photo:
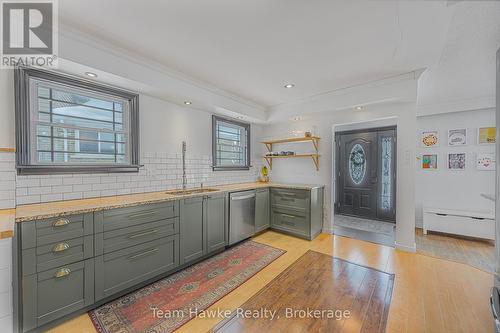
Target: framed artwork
[
  {"x": 429, "y": 138},
  {"x": 456, "y": 161},
  {"x": 486, "y": 135},
  {"x": 429, "y": 162},
  {"x": 486, "y": 161},
  {"x": 457, "y": 137}
]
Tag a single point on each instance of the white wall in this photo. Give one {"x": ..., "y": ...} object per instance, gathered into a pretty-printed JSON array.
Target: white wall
[
  {"x": 164, "y": 126},
  {"x": 455, "y": 189},
  {"x": 303, "y": 171},
  {"x": 7, "y": 193}
]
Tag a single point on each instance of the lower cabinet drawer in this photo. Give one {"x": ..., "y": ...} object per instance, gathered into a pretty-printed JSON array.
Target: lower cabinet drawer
[
  {"x": 57, "y": 292},
  {"x": 122, "y": 269},
  {"x": 291, "y": 221},
  {"x": 57, "y": 254},
  {"x": 298, "y": 199},
  {"x": 114, "y": 240}
]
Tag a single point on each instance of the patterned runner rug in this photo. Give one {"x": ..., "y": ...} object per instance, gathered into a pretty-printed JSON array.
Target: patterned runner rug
[{"x": 167, "y": 304}]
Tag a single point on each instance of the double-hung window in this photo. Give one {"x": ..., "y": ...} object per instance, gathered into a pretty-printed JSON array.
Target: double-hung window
[
  {"x": 230, "y": 144},
  {"x": 66, "y": 124}
]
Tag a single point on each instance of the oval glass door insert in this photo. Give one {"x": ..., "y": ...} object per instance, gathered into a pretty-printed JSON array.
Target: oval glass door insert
[{"x": 357, "y": 164}]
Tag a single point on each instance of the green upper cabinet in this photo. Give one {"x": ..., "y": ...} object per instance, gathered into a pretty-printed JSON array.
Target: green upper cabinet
[
  {"x": 216, "y": 217},
  {"x": 262, "y": 214},
  {"x": 192, "y": 236}
]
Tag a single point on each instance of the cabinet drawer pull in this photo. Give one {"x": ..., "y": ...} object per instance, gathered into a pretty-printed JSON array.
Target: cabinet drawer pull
[
  {"x": 135, "y": 216},
  {"x": 62, "y": 273},
  {"x": 136, "y": 256},
  {"x": 289, "y": 223},
  {"x": 60, "y": 247},
  {"x": 142, "y": 234},
  {"x": 287, "y": 194},
  {"x": 60, "y": 223},
  {"x": 289, "y": 216}
]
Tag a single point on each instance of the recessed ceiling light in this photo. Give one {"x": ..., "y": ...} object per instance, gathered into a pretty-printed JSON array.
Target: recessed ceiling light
[
  {"x": 91, "y": 74},
  {"x": 358, "y": 108},
  {"x": 187, "y": 102},
  {"x": 240, "y": 117},
  {"x": 289, "y": 85}
]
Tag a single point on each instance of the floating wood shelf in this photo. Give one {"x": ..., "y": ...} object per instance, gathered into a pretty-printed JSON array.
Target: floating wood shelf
[
  {"x": 315, "y": 156},
  {"x": 313, "y": 139},
  {"x": 7, "y": 150}
]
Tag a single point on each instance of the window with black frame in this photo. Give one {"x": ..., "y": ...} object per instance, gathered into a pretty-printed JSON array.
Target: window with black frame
[
  {"x": 230, "y": 144},
  {"x": 67, "y": 124}
]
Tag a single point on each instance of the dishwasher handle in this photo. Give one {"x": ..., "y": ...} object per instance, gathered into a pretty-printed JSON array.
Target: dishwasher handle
[{"x": 243, "y": 197}]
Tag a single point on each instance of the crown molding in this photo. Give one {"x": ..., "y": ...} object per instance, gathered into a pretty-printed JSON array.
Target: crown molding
[{"x": 466, "y": 104}]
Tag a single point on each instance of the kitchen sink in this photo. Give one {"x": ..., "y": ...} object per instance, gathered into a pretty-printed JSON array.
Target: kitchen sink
[{"x": 192, "y": 191}]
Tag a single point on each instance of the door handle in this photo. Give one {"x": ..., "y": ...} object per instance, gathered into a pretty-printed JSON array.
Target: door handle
[
  {"x": 145, "y": 253},
  {"x": 243, "y": 197},
  {"x": 62, "y": 273},
  {"x": 142, "y": 234},
  {"x": 60, "y": 223},
  {"x": 60, "y": 247},
  {"x": 134, "y": 216}
]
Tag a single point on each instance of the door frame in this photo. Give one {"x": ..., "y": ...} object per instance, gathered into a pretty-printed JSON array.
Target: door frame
[{"x": 337, "y": 169}]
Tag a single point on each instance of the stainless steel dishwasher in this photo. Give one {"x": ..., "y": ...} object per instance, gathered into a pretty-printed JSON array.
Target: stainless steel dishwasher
[{"x": 241, "y": 216}]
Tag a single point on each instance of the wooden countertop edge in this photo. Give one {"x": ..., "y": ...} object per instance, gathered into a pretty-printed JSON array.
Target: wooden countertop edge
[
  {"x": 7, "y": 150},
  {"x": 6, "y": 234},
  {"x": 223, "y": 189}
]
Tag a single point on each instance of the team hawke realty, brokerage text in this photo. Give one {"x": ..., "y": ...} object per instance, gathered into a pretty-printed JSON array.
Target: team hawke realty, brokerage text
[{"x": 261, "y": 313}]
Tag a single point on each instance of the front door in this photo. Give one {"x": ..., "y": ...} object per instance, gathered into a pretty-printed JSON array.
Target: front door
[{"x": 366, "y": 173}]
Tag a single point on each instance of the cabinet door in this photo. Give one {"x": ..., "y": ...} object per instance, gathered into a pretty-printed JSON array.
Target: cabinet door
[
  {"x": 54, "y": 293},
  {"x": 262, "y": 214},
  {"x": 215, "y": 212},
  {"x": 192, "y": 239}
]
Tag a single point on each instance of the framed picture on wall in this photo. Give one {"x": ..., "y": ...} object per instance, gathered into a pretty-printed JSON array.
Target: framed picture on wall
[
  {"x": 457, "y": 137},
  {"x": 456, "y": 161},
  {"x": 429, "y": 139},
  {"x": 486, "y": 135},
  {"x": 429, "y": 162},
  {"x": 486, "y": 161}
]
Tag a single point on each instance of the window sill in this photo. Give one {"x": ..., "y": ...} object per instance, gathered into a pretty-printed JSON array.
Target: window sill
[
  {"x": 218, "y": 168},
  {"x": 65, "y": 169}
]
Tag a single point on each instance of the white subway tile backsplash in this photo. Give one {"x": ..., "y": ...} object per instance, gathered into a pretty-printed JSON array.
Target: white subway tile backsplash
[
  {"x": 51, "y": 197},
  {"x": 27, "y": 182},
  {"x": 73, "y": 180},
  {"x": 28, "y": 199},
  {"x": 82, "y": 188},
  {"x": 161, "y": 171},
  {"x": 51, "y": 181},
  {"x": 39, "y": 190},
  {"x": 73, "y": 196}
]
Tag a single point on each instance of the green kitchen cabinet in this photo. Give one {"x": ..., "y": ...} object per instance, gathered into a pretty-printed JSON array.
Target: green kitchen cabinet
[
  {"x": 192, "y": 230},
  {"x": 215, "y": 221},
  {"x": 262, "y": 213}
]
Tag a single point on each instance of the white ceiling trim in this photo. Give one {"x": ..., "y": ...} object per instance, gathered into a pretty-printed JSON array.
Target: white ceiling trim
[
  {"x": 396, "y": 89},
  {"x": 468, "y": 104}
]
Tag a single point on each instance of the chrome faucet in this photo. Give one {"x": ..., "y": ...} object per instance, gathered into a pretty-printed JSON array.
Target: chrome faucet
[{"x": 184, "y": 177}]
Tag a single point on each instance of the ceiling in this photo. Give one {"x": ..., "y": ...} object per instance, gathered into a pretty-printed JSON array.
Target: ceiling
[{"x": 252, "y": 48}]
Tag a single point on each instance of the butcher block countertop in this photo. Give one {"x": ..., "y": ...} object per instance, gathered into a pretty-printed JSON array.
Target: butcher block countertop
[{"x": 61, "y": 208}]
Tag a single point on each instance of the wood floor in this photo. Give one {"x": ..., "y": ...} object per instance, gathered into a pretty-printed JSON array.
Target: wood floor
[
  {"x": 318, "y": 293},
  {"x": 430, "y": 294}
]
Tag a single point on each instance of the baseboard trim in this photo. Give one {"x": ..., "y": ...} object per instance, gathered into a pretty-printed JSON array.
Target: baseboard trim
[
  {"x": 327, "y": 231},
  {"x": 406, "y": 248}
]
